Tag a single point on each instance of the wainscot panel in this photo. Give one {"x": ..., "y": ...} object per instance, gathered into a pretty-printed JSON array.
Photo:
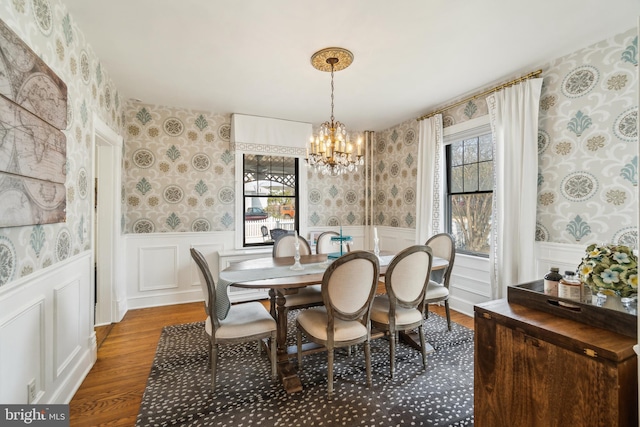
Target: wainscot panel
[
  {"x": 159, "y": 268},
  {"x": 46, "y": 333}
]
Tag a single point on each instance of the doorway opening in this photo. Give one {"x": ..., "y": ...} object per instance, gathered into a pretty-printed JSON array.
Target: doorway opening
[{"x": 108, "y": 301}]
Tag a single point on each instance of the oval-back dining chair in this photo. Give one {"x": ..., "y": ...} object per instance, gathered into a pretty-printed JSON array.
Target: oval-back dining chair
[
  {"x": 402, "y": 307},
  {"x": 442, "y": 246},
  {"x": 324, "y": 245},
  {"x": 245, "y": 322},
  {"x": 284, "y": 245},
  {"x": 348, "y": 288},
  {"x": 309, "y": 296}
]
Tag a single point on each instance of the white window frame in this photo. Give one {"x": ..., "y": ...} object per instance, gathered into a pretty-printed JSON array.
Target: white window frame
[
  {"x": 239, "y": 184},
  {"x": 465, "y": 130}
]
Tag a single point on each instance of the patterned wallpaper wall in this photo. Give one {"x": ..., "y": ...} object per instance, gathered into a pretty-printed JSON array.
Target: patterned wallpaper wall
[
  {"x": 179, "y": 172},
  {"x": 587, "y": 144},
  {"x": 47, "y": 27},
  {"x": 335, "y": 201},
  {"x": 395, "y": 172},
  {"x": 180, "y": 175}
]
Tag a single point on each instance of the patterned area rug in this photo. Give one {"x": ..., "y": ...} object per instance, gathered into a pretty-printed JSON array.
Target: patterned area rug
[{"x": 178, "y": 389}]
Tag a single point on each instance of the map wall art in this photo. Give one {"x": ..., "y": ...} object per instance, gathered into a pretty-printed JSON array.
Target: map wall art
[{"x": 33, "y": 149}]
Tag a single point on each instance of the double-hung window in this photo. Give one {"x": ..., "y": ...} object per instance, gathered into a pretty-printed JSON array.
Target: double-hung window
[
  {"x": 470, "y": 193},
  {"x": 269, "y": 197}
]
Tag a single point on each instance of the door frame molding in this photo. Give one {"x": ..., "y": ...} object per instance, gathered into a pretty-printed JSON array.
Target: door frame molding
[{"x": 106, "y": 241}]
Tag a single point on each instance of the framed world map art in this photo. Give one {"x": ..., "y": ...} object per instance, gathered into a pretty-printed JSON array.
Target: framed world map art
[{"x": 33, "y": 149}]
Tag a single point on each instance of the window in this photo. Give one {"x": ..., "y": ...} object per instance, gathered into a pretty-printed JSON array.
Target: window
[
  {"x": 470, "y": 193},
  {"x": 270, "y": 197}
]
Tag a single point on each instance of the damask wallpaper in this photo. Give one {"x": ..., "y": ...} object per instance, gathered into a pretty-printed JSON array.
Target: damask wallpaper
[
  {"x": 180, "y": 174},
  {"x": 395, "y": 171},
  {"x": 588, "y": 157},
  {"x": 335, "y": 201},
  {"x": 588, "y": 145},
  {"x": 47, "y": 27}
]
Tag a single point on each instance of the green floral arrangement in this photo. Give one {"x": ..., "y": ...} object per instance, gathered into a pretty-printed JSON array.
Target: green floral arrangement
[{"x": 610, "y": 269}]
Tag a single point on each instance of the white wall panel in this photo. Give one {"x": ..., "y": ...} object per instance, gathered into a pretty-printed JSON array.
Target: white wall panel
[
  {"x": 565, "y": 257},
  {"x": 66, "y": 336},
  {"x": 210, "y": 253},
  {"x": 46, "y": 332},
  {"x": 160, "y": 270},
  {"x": 22, "y": 352},
  {"x": 158, "y": 267}
]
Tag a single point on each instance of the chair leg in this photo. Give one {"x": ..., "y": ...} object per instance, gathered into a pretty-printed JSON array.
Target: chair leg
[
  {"x": 272, "y": 303},
  {"x": 426, "y": 311},
  {"x": 446, "y": 307},
  {"x": 274, "y": 356},
  {"x": 214, "y": 363},
  {"x": 329, "y": 374},
  {"x": 392, "y": 352},
  {"x": 259, "y": 346},
  {"x": 423, "y": 346},
  {"x": 299, "y": 346},
  {"x": 367, "y": 361}
]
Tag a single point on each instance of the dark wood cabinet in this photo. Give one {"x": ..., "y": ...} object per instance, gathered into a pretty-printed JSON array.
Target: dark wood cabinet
[{"x": 536, "y": 369}]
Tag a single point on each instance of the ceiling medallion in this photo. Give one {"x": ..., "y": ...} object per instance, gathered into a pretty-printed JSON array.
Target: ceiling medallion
[{"x": 331, "y": 152}]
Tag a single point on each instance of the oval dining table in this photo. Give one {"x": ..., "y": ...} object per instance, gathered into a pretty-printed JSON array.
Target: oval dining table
[{"x": 281, "y": 286}]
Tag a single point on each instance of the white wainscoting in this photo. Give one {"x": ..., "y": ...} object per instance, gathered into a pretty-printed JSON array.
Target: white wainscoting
[
  {"x": 470, "y": 284},
  {"x": 564, "y": 256},
  {"x": 160, "y": 270},
  {"x": 46, "y": 331}
]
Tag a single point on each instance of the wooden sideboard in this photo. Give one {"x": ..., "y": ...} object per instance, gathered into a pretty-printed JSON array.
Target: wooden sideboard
[{"x": 536, "y": 369}]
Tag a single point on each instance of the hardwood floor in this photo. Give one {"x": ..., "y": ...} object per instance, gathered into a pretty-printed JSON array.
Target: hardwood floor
[{"x": 112, "y": 392}]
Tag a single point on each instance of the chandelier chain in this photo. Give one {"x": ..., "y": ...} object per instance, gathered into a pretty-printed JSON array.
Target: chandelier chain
[
  {"x": 332, "y": 118},
  {"x": 331, "y": 152}
]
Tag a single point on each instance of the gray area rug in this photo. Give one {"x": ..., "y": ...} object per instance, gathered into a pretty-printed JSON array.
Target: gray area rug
[{"x": 178, "y": 389}]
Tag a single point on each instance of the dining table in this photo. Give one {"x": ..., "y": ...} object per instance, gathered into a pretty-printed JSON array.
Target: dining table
[{"x": 276, "y": 275}]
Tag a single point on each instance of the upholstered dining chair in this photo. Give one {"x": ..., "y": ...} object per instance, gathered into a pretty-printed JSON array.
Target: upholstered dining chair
[
  {"x": 348, "y": 288},
  {"x": 308, "y": 296},
  {"x": 277, "y": 232},
  {"x": 284, "y": 245},
  {"x": 265, "y": 233},
  {"x": 442, "y": 246},
  {"x": 325, "y": 246},
  {"x": 402, "y": 307},
  {"x": 245, "y": 322}
]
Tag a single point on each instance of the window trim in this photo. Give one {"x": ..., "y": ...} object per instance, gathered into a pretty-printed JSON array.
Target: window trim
[
  {"x": 296, "y": 198},
  {"x": 239, "y": 198},
  {"x": 465, "y": 130}
]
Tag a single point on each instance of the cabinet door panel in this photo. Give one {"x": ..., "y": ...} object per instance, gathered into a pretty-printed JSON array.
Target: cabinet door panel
[{"x": 524, "y": 381}]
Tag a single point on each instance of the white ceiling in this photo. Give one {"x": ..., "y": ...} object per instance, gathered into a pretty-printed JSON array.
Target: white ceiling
[{"x": 253, "y": 56}]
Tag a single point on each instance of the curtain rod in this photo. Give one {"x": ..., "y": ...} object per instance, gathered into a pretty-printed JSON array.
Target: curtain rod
[{"x": 486, "y": 92}]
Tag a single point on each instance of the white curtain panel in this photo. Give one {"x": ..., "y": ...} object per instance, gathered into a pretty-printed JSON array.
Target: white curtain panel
[
  {"x": 429, "y": 187},
  {"x": 514, "y": 122}
]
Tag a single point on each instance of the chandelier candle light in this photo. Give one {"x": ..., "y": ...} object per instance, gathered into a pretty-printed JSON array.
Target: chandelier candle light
[{"x": 331, "y": 152}]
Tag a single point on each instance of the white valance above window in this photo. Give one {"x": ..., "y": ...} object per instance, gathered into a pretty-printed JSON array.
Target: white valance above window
[{"x": 254, "y": 134}]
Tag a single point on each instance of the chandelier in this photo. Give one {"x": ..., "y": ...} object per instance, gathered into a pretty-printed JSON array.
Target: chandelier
[{"x": 330, "y": 151}]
